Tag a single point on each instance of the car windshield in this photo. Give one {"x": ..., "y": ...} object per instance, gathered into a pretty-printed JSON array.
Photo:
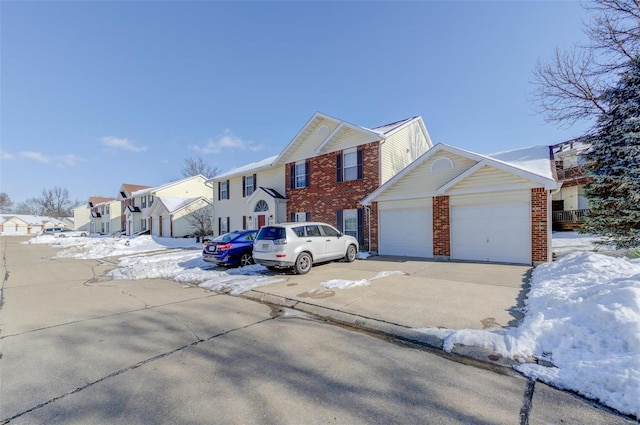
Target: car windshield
[
  {"x": 227, "y": 237},
  {"x": 271, "y": 233}
]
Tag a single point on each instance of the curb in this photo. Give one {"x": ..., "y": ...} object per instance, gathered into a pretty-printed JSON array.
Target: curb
[{"x": 389, "y": 329}]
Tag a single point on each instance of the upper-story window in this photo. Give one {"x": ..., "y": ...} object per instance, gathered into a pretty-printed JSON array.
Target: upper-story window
[
  {"x": 349, "y": 165},
  {"x": 223, "y": 190},
  {"x": 299, "y": 175},
  {"x": 151, "y": 199},
  {"x": 248, "y": 185},
  {"x": 107, "y": 209},
  {"x": 144, "y": 202}
]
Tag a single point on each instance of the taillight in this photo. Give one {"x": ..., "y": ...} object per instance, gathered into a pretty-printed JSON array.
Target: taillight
[
  {"x": 279, "y": 241},
  {"x": 225, "y": 246}
]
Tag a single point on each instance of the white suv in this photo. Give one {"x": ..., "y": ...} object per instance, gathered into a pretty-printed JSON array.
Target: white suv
[{"x": 300, "y": 245}]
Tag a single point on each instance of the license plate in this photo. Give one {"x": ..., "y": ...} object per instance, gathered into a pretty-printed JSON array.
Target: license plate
[{"x": 265, "y": 246}]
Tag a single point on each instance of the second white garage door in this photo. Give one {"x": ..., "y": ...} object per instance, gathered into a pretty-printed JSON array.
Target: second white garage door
[
  {"x": 500, "y": 233},
  {"x": 406, "y": 232},
  {"x": 166, "y": 226}
]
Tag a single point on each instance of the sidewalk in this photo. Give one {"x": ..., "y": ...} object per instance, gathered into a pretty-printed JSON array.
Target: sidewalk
[{"x": 448, "y": 295}]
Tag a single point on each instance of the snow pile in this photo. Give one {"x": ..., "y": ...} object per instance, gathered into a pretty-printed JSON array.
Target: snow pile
[
  {"x": 346, "y": 284},
  {"x": 189, "y": 268},
  {"x": 583, "y": 316},
  {"x": 104, "y": 246}
]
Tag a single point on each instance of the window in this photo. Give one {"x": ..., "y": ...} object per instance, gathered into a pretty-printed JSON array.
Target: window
[
  {"x": 223, "y": 190},
  {"x": 223, "y": 225},
  {"x": 108, "y": 209},
  {"x": 143, "y": 224},
  {"x": 151, "y": 198},
  {"x": 248, "y": 185},
  {"x": 349, "y": 165},
  {"x": 261, "y": 206},
  {"x": 350, "y": 222},
  {"x": 299, "y": 175},
  {"x": 329, "y": 231},
  {"x": 301, "y": 216},
  {"x": 312, "y": 230},
  {"x": 144, "y": 202}
]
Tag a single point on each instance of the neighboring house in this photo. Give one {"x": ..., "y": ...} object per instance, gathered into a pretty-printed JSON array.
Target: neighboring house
[
  {"x": 125, "y": 196},
  {"x": 249, "y": 197},
  {"x": 172, "y": 217},
  {"x": 570, "y": 204},
  {"x": 23, "y": 224},
  {"x": 82, "y": 217},
  {"x": 105, "y": 215},
  {"x": 138, "y": 212},
  {"x": 331, "y": 165},
  {"x": 458, "y": 205}
]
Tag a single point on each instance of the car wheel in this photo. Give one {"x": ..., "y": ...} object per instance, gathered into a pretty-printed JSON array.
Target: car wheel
[
  {"x": 83, "y": 234},
  {"x": 61, "y": 236},
  {"x": 351, "y": 254},
  {"x": 303, "y": 263},
  {"x": 246, "y": 259}
]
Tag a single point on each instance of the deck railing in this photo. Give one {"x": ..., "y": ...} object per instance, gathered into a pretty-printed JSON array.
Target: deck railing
[{"x": 571, "y": 216}]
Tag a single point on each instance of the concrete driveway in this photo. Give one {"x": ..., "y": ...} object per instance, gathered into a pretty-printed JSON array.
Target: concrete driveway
[{"x": 442, "y": 294}]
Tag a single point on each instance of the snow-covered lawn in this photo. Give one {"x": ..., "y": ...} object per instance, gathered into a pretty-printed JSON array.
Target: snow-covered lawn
[{"x": 582, "y": 314}]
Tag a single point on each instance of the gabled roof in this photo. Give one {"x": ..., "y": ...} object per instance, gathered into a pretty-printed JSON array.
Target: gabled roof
[
  {"x": 31, "y": 219},
  {"x": 482, "y": 161},
  {"x": 97, "y": 200},
  {"x": 148, "y": 190},
  {"x": 130, "y": 188},
  {"x": 246, "y": 169},
  {"x": 172, "y": 204},
  {"x": 373, "y": 134},
  {"x": 273, "y": 193}
]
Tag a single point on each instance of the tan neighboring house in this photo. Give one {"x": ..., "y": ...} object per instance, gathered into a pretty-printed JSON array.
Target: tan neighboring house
[
  {"x": 570, "y": 204},
  {"x": 139, "y": 212},
  {"x": 458, "y": 205},
  {"x": 249, "y": 197},
  {"x": 23, "y": 224},
  {"x": 106, "y": 216},
  {"x": 82, "y": 217},
  {"x": 125, "y": 196},
  {"x": 176, "y": 217}
]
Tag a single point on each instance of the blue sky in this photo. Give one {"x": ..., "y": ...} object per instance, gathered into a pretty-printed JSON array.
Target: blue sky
[{"x": 96, "y": 94}]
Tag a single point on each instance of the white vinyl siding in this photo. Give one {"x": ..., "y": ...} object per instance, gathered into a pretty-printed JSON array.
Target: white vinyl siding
[
  {"x": 400, "y": 149},
  {"x": 490, "y": 179},
  {"x": 424, "y": 182}
]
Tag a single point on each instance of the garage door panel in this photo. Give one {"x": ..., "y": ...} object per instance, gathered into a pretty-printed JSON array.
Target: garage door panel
[
  {"x": 499, "y": 233},
  {"x": 406, "y": 232},
  {"x": 166, "y": 227}
]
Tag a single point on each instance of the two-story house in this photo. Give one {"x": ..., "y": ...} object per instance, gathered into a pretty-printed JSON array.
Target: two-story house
[
  {"x": 177, "y": 200},
  {"x": 249, "y": 197},
  {"x": 125, "y": 196},
  {"x": 105, "y": 215},
  {"x": 569, "y": 204},
  {"x": 331, "y": 165}
]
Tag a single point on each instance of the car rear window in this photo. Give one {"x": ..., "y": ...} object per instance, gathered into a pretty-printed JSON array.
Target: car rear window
[
  {"x": 271, "y": 233},
  {"x": 227, "y": 237}
]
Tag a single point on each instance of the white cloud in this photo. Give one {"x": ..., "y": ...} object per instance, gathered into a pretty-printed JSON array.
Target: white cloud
[
  {"x": 121, "y": 143},
  {"x": 6, "y": 155},
  {"x": 69, "y": 159},
  {"x": 36, "y": 156},
  {"x": 227, "y": 141}
]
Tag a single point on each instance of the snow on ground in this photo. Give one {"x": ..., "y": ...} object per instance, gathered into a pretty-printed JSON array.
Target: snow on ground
[
  {"x": 582, "y": 313},
  {"x": 346, "y": 284},
  {"x": 583, "y": 316}
]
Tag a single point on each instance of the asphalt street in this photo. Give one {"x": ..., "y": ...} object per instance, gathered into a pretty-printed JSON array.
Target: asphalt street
[{"x": 79, "y": 348}]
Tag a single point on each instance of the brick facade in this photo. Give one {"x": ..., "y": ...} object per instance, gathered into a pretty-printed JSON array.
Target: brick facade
[
  {"x": 441, "y": 227},
  {"x": 539, "y": 226},
  {"x": 324, "y": 196}
]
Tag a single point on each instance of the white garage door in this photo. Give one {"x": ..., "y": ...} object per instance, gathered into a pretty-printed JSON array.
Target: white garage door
[
  {"x": 500, "y": 233},
  {"x": 406, "y": 232},
  {"x": 166, "y": 227},
  {"x": 155, "y": 226}
]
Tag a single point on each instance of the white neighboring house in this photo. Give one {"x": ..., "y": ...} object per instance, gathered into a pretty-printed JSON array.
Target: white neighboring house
[
  {"x": 139, "y": 209},
  {"x": 82, "y": 218},
  {"x": 249, "y": 197},
  {"x": 173, "y": 217},
  {"x": 105, "y": 215},
  {"x": 458, "y": 205},
  {"x": 24, "y": 224}
]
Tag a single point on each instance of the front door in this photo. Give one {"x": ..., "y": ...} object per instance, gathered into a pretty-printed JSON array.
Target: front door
[{"x": 261, "y": 221}]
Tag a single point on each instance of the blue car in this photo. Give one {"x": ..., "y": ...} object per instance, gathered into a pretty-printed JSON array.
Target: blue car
[{"x": 231, "y": 249}]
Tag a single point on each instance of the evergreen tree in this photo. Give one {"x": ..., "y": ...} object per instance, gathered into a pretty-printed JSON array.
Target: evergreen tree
[{"x": 614, "y": 163}]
